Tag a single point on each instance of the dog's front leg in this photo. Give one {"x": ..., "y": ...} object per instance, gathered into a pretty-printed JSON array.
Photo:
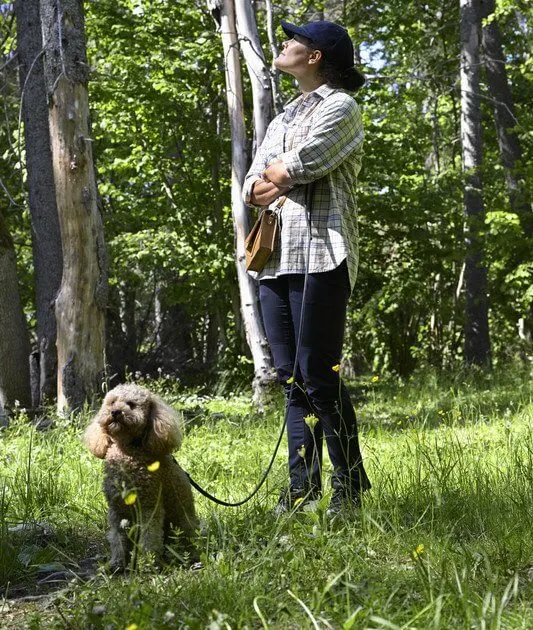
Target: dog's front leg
[
  {"x": 120, "y": 547},
  {"x": 179, "y": 503},
  {"x": 152, "y": 532}
]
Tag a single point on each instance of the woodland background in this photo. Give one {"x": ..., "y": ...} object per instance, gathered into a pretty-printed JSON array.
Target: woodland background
[
  {"x": 121, "y": 235},
  {"x": 160, "y": 138}
]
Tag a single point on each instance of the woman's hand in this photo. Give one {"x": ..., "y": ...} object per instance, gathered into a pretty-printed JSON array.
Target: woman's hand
[
  {"x": 277, "y": 174},
  {"x": 264, "y": 193}
]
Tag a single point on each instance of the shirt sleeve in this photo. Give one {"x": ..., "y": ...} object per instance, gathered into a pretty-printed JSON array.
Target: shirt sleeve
[
  {"x": 335, "y": 133},
  {"x": 247, "y": 189},
  {"x": 258, "y": 165}
]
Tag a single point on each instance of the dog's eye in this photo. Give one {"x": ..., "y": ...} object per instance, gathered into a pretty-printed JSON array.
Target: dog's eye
[{"x": 131, "y": 405}]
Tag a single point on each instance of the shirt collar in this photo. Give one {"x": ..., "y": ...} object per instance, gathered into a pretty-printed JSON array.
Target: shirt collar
[{"x": 322, "y": 92}]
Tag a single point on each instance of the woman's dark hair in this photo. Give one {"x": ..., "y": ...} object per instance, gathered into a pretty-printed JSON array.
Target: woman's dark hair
[{"x": 349, "y": 79}]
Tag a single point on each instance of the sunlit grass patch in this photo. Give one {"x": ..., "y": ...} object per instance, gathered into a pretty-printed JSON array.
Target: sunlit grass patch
[{"x": 443, "y": 540}]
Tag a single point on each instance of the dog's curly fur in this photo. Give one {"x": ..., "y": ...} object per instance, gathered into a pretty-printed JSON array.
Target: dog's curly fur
[{"x": 133, "y": 429}]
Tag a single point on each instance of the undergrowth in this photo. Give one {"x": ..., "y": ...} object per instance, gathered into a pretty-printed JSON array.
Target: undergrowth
[{"x": 444, "y": 539}]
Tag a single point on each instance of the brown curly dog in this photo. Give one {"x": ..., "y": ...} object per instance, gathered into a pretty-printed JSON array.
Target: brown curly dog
[{"x": 135, "y": 433}]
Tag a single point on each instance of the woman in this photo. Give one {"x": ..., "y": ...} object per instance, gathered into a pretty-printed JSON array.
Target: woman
[{"x": 311, "y": 155}]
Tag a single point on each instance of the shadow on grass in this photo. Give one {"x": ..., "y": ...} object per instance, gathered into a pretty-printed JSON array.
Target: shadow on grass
[{"x": 38, "y": 566}]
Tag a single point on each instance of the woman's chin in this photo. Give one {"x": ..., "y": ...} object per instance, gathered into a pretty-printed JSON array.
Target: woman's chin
[{"x": 280, "y": 62}]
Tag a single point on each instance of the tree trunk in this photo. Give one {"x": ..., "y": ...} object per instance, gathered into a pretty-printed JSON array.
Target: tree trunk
[
  {"x": 257, "y": 68},
  {"x": 274, "y": 72},
  {"x": 212, "y": 341},
  {"x": 173, "y": 351},
  {"x": 255, "y": 334},
  {"x": 81, "y": 302},
  {"x": 14, "y": 342},
  {"x": 477, "y": 341},
  {"x": 46, "y": 236},
  {"x": 508, "y": 142},
  {"x": 115, "y": 344},
  {"x": 127, "y": 296},
  {"x": 504, "y": 117}
]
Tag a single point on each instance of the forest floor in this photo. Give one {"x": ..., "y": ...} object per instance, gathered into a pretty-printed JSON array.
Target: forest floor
[{"x": 443, "y": 540}]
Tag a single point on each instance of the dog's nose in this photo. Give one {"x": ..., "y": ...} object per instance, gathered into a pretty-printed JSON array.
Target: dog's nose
[{"x": 116, "y": 413}]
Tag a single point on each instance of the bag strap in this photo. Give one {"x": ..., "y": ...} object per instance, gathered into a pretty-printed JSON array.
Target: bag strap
[
  {"x": 309, "y": 192},
  {"x": 281, "y": 201},
  {"x": 279, "y": 205}
]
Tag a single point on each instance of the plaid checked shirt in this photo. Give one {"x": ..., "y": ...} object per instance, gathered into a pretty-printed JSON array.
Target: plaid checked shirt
[{"x": 319, "y": 139}]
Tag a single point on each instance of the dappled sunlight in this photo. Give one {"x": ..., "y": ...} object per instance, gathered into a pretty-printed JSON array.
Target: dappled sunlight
[{"x": 449, "y": 513}]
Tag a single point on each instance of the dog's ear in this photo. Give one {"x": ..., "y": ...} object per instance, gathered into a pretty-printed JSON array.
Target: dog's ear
[
  {"x": 164, "y": 434},
  {"x": 95, "y": 439}
]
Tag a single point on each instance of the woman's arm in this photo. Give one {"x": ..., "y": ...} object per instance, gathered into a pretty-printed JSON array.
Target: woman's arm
[
  {"x": 335, "y": 134},
  {"x": 276, "y": 173},
  {"x": 264, "y": 193},
  {"x": 256, "y": 170}
]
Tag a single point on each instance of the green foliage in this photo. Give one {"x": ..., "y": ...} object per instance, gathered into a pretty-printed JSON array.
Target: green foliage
[
  {"x": 162, "y": 150},
  {"x": 162, "y": 154},
  {"x": 443, "y": 539},
  {"x": 12, "y": 201},
  {"x": 405, "y": 309}
]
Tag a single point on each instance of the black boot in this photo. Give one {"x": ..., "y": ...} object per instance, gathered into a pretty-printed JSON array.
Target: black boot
[
  {"x": 294, "y": 499},
  {"x": 345, "y": 501}
]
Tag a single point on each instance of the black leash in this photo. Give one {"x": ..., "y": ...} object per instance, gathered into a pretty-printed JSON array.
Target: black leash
[
  {"x": 308, "y": 197},
  {"x": 256, "y": 489}
]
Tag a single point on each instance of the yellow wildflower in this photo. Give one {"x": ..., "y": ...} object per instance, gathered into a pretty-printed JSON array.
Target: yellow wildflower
[
  {"x": 132, "y": 626},
  {"x": 130, "y": 498},
  {"x": 290, "y": 380},
  {"x": 153, "y": 467},
  {"x": 375, "y": 379},
  {"x": 301, "y": 451},
  {"x": 336, "y": 368},
  {"x": 311, "y": 421},
  {"x": 418, "y": 551}
]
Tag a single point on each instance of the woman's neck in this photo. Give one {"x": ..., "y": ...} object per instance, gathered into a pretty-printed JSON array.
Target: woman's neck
[{"x": 309, "y": 84}]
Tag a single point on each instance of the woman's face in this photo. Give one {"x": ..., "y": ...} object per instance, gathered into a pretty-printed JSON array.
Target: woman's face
[{"x": 296, "y": 57}]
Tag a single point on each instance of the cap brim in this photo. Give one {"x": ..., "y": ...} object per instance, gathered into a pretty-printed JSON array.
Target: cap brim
[{"x": 291, "y": 30}]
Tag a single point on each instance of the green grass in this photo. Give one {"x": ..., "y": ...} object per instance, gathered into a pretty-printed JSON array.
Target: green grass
[{"x": 444, "y": 539}]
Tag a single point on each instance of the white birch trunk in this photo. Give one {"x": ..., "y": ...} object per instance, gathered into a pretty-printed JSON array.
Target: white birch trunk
[
  {"x": 274, "y": 72},
  {"x": 257, "y": 68},
  {"x": 253, "y": 325}
]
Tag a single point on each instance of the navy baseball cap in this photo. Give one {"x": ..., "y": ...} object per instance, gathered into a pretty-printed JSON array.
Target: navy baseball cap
[{"x": 332, "y": 40}]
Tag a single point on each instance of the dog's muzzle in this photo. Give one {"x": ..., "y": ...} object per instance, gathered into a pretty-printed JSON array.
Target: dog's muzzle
[{"x": 117, "y": 418}]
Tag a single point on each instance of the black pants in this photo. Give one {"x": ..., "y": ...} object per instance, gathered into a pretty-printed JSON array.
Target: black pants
[{"x": 318, "y": 390}]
